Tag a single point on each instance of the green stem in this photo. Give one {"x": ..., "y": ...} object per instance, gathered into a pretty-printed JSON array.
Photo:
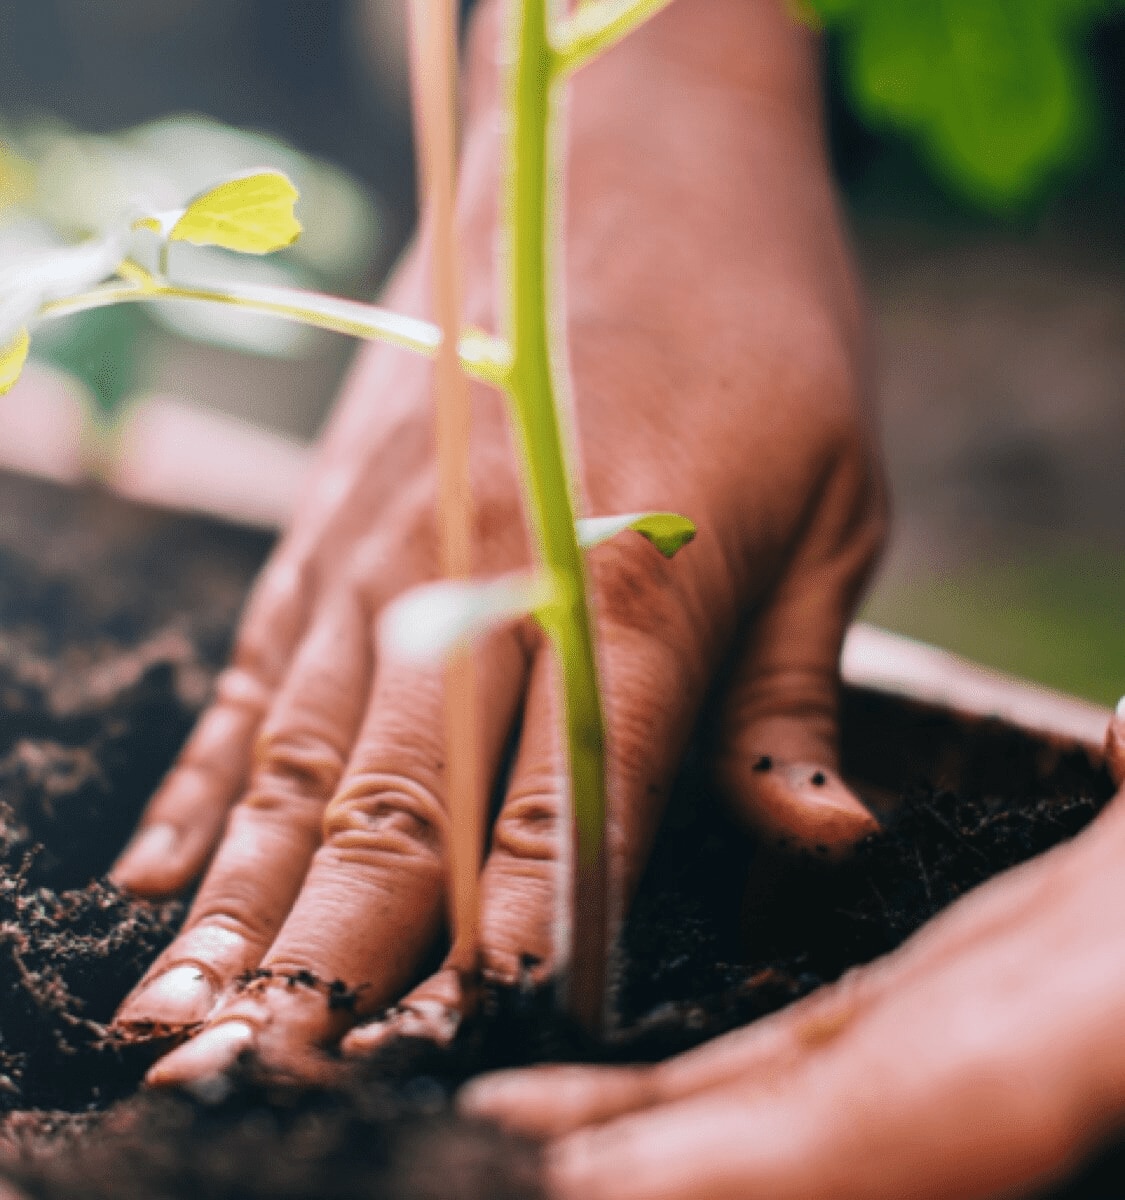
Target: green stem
[
  {"x": 483, "y": 357},
  {"x": 529, "y": 200},
  {"x": 597, "y": 26}
]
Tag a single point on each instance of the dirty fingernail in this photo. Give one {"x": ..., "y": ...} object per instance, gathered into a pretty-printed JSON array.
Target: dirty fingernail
[
  {"x": 210, "y": 1054},
  {"x": 181, "y": 996},
  {"x": 146, "y": 856}
]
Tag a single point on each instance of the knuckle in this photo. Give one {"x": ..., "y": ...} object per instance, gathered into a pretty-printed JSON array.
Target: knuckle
[
  {"x": 232, "y": 915},
  {"x": 238, "y": 687},
  {"x": 528, "y": 825},
  {"x": 380, "y": 812},
  {"x": 296, "y": 762}
]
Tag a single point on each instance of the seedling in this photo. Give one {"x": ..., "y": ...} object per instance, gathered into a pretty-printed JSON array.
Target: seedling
[{"x": 254, "y": 214}]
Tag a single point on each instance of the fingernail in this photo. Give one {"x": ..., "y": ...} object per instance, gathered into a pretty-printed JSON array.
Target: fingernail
[
  {"x": 181, "y": 996},
  {"x": 1121, "y": 708},
  {"x": 146, "y": 856},
  {"x": 366, "y": 1039},
  {"x": 210, "y": 1054}
]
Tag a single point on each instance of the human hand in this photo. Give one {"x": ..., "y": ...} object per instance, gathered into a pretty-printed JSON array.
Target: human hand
[
  {"x": 718, "y": 371},
  {"x": 984, "y": 1058}
]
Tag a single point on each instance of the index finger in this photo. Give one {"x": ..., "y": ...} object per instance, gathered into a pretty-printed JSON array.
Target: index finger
[{"x": 182, "y": 822}]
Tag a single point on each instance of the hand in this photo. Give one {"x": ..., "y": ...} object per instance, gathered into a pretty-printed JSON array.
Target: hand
[
  {"x": 717, "y": 352},
  {"x": 985, "y": 1058}
]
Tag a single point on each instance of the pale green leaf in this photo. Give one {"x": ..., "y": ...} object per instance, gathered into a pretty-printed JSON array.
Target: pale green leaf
[
  {"x": 12, "y": 359},
  {"x": 668, "y": 532},
  {"x": 428, "y": 623},
  {"x": 252, "y": 214}
]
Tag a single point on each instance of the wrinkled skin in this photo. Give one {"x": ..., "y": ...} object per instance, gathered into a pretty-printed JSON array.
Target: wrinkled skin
[
  {"x": 985, "y": 1058},
  {"x": 717, "y": 348}
]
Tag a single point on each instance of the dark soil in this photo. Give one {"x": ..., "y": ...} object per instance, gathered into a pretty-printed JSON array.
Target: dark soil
[{"x": 113, "y": 621}]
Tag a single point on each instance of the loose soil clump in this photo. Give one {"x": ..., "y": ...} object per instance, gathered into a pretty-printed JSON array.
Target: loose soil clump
[{"x": 113, "y": 622}]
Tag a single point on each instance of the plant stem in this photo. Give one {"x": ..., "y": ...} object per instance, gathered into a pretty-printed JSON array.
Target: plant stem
[
  {"x": 597, "y": 26},
  {"x": 483, "y": 357},
  {"x": 528, "y": 225},
  {"x": 434, "y": 39}
]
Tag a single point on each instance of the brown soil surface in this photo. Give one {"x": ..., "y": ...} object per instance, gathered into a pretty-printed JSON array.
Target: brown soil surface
[{"x": 113, "y": 621}]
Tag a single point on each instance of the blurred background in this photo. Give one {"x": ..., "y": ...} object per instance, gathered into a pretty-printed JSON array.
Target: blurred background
[{"x": 980, "y": 145}]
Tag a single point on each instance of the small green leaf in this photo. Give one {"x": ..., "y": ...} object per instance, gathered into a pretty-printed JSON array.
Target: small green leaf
[
  {"x": 429, "y": 622},
  {"x": 668, "y": 532},
  {"x": 252, "y": 214},
  {"x": 12, "y": 359}
]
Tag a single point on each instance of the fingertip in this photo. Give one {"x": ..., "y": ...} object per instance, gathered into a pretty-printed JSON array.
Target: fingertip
[
  {"x": 152, "y": 863},
  {"x": 181, "y": 997},
  {"x": 430, "y": 1021},
  {"x": 551, "y": 1101},
  {"x": 801, "y": 806},
  {"x": 505, "y": 1097},
  {"x": 207, "y": 1057}
]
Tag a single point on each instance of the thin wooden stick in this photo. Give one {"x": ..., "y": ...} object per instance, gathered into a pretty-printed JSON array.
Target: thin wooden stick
[{"x": 434, "y": 42}]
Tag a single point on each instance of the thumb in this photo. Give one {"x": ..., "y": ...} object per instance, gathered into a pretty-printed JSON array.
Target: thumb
[{"x": 778, "y": 756}]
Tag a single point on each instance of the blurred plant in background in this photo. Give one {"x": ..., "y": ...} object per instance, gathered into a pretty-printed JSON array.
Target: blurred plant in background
[
  {"x": 998, "y": 95},
  {"x": 58, "y": 186}
]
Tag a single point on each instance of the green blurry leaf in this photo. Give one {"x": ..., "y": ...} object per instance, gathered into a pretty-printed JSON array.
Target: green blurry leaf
[
  {"x": 997, "y": 92},
  {"x": 427, "y": 623},
  {"x": 668, "y": 532},
  {"x": 12, "y": 359},
  {"x": 252, "y": 214},
  {"x": 100, "y": 348},
  {"x": 994, "y": 89}
]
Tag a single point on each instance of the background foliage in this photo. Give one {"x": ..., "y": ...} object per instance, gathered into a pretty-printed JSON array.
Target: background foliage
[{"x": 999, "y": 96}]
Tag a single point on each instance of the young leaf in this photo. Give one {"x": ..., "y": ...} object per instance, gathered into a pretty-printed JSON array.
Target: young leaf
[
  {"x": 668, "y": 532},
  {"x": 12, "y": 359},
  {"x": 428, "y": 622},
  {"x": 252, "y": 214}
]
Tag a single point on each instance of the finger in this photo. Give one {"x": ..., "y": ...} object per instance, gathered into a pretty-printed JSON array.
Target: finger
[
  {"x": 274, "y": 830},
  {"x": 373, "y": 899},
  {"x": 519, "y": 885},
  {"x": 652, "y": 685},
  {"x": 431, "y": 1012},
  {"x": 184, "y": 819},
  {"x": 778, "y": 758}
]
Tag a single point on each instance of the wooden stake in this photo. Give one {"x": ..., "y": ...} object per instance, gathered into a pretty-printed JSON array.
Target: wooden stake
[{"x": 434, "y": 51}]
